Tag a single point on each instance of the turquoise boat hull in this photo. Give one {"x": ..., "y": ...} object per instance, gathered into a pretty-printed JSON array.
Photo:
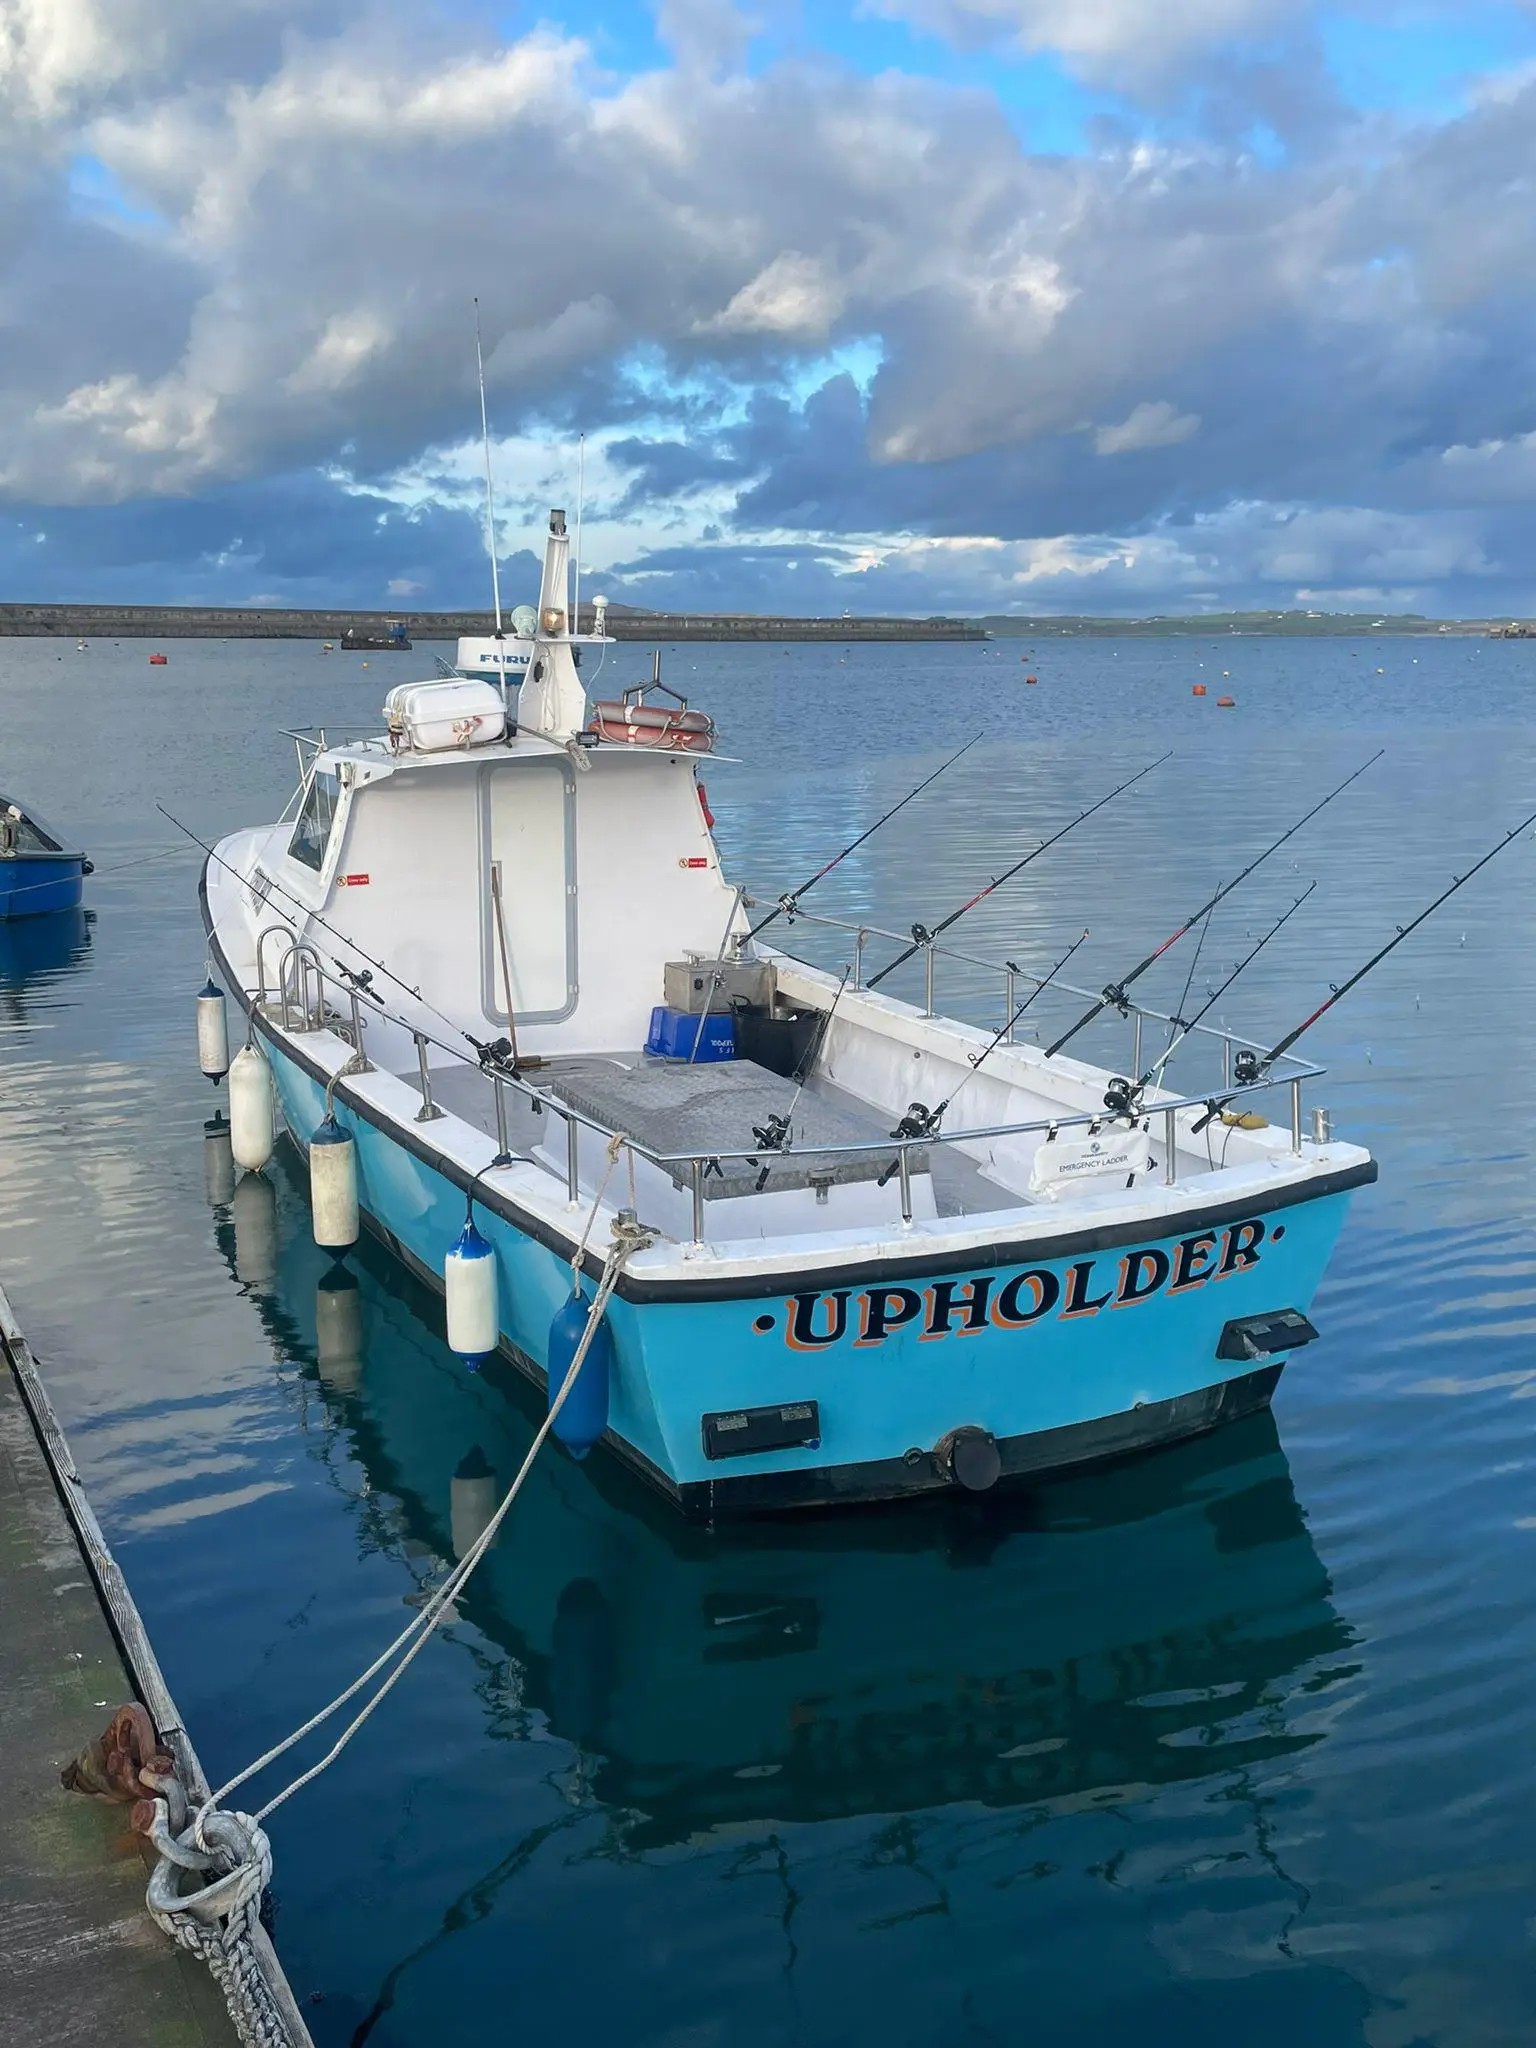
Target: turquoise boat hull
[{"x": 1101, "y": 1345}]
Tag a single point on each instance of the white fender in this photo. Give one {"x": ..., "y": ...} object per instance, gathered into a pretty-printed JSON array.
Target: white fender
[
  {"x": 212, "y": 1032},
  {"x": 333, "y": 1186},
  {"x": 469, "y": 1284},
  {"x": 250, "y": 1109}
]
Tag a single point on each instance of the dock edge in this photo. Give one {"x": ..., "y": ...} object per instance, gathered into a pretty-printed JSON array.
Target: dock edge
[{"x": 127, "y": 1626}]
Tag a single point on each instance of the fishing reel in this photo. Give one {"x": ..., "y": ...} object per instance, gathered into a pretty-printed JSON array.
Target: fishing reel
[
  {"x": 918, "y": 1122},
  {"x": 362, "y": 981},
  {"x": 495, "y": 1055},
  {"x": 921, "y": 936},
  {"x": 772, "y": 1136},
  {"x": 1117, "y": 998},
  {"x": 1123, "y": 1098},
  {"x": 1246, "y": 1068}
]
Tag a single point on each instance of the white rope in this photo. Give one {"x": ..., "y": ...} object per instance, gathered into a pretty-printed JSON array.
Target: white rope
[{"x": 627, "y": 1238}]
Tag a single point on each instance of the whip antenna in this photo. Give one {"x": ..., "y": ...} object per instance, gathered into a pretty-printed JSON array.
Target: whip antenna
[{"x": 490, "y": 502}]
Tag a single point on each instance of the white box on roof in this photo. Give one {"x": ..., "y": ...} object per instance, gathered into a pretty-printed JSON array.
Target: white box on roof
[{"x": 429, "y": 718}]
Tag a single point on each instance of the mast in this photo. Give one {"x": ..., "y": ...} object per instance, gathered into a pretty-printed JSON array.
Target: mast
[
  {"x": 490, "y": 502},
  {"x": 581, "y": 498}
]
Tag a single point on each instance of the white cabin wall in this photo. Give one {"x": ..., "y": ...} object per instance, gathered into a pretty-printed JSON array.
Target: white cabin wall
[
  {"x": 638, "y": 822},
  {"x": 417, "y": 838}
]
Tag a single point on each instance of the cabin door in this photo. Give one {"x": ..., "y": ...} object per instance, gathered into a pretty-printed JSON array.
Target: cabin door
[{"x": 530, "y": 845}]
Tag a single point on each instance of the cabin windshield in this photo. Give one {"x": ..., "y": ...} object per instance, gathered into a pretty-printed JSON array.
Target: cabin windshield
[
  {"x": 317, "y": 816},
  {"x": 22, "y": 834}
]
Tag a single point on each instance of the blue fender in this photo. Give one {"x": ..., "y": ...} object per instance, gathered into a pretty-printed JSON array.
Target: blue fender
[{"x": 584, "y": 1417}]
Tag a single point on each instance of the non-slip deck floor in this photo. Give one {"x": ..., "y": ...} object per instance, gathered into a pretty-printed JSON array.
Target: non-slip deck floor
[{"x": 671, "y": 1107}]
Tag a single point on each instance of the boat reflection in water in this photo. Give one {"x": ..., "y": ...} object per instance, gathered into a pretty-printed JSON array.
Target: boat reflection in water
[
  {"x": 1081, "y": 1645},
  {"x": 35, "y": 951}
]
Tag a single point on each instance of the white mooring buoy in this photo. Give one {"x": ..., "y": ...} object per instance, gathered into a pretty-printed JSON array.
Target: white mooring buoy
[
  {"x": 250, "y": 1109},
  {"x": 469, "y": 1285},
  {"x": 333, "y": 1186},
  {"x": 212, "y": 1032}
]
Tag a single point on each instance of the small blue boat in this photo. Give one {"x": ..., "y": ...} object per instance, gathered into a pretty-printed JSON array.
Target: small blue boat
[{"x": 38, "y": 872}]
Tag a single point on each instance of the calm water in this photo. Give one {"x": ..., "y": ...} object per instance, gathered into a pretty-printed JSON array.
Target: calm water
[{"x": 1231, "y": 1745}]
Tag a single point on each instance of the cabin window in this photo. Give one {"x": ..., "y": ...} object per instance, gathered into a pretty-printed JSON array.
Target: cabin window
[
  {"x": 312, "y": 829},
  {"x": 24, "y": 835}
]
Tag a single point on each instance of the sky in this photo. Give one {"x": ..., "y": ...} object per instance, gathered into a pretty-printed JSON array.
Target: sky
[{"x": 916, "y": 306}]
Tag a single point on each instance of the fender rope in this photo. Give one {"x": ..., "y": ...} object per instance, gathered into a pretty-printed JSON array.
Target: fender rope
[
  {"x": 229, "y": 1851},
  {"x": 627, "y": 1237}
]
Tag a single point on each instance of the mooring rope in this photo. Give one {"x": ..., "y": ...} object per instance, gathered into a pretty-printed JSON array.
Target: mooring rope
[{"x": 216, "y": 1921}]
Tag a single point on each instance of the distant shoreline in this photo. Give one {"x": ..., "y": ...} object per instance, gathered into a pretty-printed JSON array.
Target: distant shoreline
[
  {"x": 231, "y": 622},
  {"x": 250, "y": 622}
]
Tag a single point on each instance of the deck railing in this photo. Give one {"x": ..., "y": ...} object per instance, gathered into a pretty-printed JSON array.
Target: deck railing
[{"x": 300, "y": 979}]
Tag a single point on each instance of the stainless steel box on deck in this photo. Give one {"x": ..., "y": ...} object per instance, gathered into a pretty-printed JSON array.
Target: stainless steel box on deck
[{"x": 699, "y": 986}]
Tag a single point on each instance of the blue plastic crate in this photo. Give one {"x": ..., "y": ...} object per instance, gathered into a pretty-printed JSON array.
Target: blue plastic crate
[{"x": 674, "y": 1035}]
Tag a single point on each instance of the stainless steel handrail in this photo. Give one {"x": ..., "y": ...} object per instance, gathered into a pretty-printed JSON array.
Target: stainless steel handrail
[
  {"x": 864, "y": 930},
  {"x": 689, "y": 1168}
]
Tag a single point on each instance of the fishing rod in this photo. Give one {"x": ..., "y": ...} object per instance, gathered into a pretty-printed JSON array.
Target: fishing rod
[
  {"x": 1250, "y": 1067},
  {"x": 922, "y": 936},
  {"x": 1115, "y": 996},
  {"x": 920, "y": 1121},
  {"x": 1124, "y": 1098},
  {"x": 788, "y": 905}
]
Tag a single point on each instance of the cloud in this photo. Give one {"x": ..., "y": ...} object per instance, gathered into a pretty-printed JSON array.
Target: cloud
[
  {"x": 1113, "y": 41},
  {"x": 794, "y": 295},
  {"x": 285, "y": 207},
  {"x": 1150, "y": 425}
]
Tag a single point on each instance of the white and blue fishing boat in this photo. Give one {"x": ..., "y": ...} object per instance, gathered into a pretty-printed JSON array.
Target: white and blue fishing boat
[
  {"x": 503, "y": 961},
  {"x": 39, "y": 874}
]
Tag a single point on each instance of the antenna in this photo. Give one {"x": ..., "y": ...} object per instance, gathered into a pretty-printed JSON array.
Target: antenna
[
  {"x": 490, "y": 502},
  {"x": 581, "y": 492}
]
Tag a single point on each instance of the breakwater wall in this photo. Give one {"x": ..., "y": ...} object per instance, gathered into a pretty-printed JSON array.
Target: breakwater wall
[{"x": 204, "y": 622}]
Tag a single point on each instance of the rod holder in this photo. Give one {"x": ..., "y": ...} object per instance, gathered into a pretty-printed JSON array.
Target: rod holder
[
  {"x": 928, "y": 980},
  {"x": 1226, "y": 1063},
  {"x": 1322, "y": 1125},
  {"x": 904, "y": 1167},
  {"x": 696, "y": 1171},
  {"x": 858, "y": 957},
  {"x": 503, "y": 1149},
  {"x": 572, "y": 1161},
  {"x": 1136, "y": 1048},
  {"x": 1170, "y": 1149},
  {"x": 1008, "y": 1006},
  {"x": 361, "y": 1064},
  {"x": 1296, "y": 1117},
  {"x": 429, "y": 1111}
]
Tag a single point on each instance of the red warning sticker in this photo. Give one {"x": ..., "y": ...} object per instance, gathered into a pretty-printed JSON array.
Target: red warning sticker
[{"x": 351, "y": 881}]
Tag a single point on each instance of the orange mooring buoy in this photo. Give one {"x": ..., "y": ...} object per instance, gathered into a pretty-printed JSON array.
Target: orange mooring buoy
[
  {"x": 1198, "y": 690},
  {"x": 157, "y": 661},
  {"x": 1225, "y": 703},
  {"x": 1031, "y": 679}
]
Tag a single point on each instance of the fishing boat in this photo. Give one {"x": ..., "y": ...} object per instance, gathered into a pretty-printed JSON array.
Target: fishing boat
[
  {"x": 391, "y": 638},
  {"x": 496, "y": 967},
  {"x": 1100, "y": 1632},
  {"x": 38, "y": 872}
]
